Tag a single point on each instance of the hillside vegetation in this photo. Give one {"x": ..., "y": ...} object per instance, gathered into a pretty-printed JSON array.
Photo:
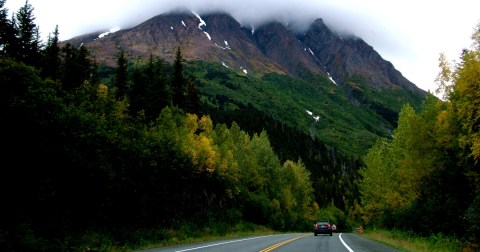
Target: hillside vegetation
[
  {"x": 87, "y": 163},
  {"x": 427, "y": 178}
]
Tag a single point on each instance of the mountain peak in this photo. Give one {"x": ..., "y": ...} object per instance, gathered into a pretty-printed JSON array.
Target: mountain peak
[{"x": 218, "y": 37}]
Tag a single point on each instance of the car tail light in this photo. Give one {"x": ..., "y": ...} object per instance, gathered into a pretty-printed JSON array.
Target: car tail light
[
  {"x": 328, "y": 225},
  {"x": 316, "y": 225}
]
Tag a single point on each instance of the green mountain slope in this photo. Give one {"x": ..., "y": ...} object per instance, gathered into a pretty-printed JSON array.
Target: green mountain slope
[{"x": 350, "y": 119}]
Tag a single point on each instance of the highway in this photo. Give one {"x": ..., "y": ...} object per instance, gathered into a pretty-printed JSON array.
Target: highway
[{"x": 283, "y": 243}]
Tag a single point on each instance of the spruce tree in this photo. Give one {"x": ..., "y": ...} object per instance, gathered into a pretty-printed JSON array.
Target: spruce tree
[
  {"x": 120, "y": 79},
  {"x": 84, "y": 63},
  {"x": 51, "y": 57},
  {"x": 4, "y": 26},
  {"x": 11, "y": 46},
  {"x": 8, "y": 33},
  {"x": 68, "y": 67},
  {"x": 28, "y": 36},
  {"x": 178, "y": 81},
  {"x": 193, "y": 104},
  {"x": 137, "y": 92},
  {"x": 149, "y": 90},
  {"x": 94, "y": 77},
  {"x": 164, "y": 96},
  {"x": 75, "y": 67},
  {"x": 159, "y": 96}
]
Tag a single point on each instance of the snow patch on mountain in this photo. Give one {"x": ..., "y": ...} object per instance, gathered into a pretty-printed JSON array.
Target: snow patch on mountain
[
  {"x": 330, "y": 77},
  {"x": 171, "y": 27},
  {"x": 201, "y": 21},
  {"x": 208, "y": 35},
  {"x": 225, "y": 65},
  {"x": 113, "y": 30},
  {"x": 317, "y": 118},
  {"x": 183, "y": 23},
  {"x": 311, "y": 51},
  {"x": 245, "y": 71},
  {"x": 220, "y": 46},
  {"x": 227, "y": 46}
]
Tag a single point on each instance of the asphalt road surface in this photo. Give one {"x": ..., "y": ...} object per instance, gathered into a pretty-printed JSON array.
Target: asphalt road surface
[{"x": 283, "y": 243}]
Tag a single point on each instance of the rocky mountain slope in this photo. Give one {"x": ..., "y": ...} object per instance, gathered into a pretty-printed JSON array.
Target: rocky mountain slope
[
  {"x": 270, "y": 48},
  {"x": 338, "y": 89}
]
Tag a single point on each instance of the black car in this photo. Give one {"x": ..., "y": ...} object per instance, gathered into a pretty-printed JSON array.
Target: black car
[{"x": 322, "y": 227}]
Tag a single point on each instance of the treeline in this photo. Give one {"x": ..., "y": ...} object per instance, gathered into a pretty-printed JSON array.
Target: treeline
[
  {"x": 427, "y": 178},
  {"x": 80, "y": 156}
]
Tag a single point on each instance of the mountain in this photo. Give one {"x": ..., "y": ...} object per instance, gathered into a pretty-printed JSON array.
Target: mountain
[{"x": 343, "y": 80}]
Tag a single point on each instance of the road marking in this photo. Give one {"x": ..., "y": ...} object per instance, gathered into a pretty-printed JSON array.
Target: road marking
[
  {"x": 344, "y": 244},
  {"x": 282, "y": 243},
  {"x": 213, "y": 245}
]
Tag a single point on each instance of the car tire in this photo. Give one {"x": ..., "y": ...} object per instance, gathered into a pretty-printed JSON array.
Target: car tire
[
  {"x": 330, "y": 234},
  {"x": 315, "y": 234}
]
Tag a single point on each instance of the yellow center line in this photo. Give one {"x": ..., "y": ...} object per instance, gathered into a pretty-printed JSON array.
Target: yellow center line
[{"x": 282, "y": 243}]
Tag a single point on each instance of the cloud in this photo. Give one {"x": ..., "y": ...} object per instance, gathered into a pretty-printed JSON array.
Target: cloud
[{"x": 410, "y": 33}]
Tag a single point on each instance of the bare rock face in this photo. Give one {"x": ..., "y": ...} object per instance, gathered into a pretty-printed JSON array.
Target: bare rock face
[
  {"x": 281, "y": 46},
  {"x": 351, "y": 55},
  {"x": 271, "y": 48}
]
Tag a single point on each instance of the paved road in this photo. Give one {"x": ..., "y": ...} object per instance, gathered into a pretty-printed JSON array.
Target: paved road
[{"x": 284, "y": 243}]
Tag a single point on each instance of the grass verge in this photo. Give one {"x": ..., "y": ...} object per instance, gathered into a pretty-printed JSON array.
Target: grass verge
[
  {"x": 409, "y": 241},
  {"x": 155, "y": 238}
]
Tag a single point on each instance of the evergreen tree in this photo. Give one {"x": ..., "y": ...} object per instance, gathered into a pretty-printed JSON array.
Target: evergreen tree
[
  {"x": 4, "y": 25},
  {"x": 193, "y": 104},
  {"x": 51, "y": 57},
  {"x": 178, "y": 81},
  {"x": 75, "y": 67},
  {"x": 84, "y": 63},
  {"x": 12, "y": 45},
  {"x": 28, "y": 36},
  {"x": 137, "y": 92},
  {"x": 158, "y": 94},
  {"x": 120, "y": 79},
  {"x": 68, "y": 68},
  {"x": 149, "y": 90},
  {"x": 94, "y": 77},
  {"x": 8, "y": 33}
]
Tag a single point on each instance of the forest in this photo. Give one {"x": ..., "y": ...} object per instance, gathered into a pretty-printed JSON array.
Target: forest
[
  {"x": 142, "y": 153},
  {"x": 121, "y": 153},
  {"x": 426, "y": 178}
]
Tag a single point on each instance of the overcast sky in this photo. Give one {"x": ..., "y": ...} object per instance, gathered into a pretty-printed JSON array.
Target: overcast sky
[{"x": 408, "y": 33}]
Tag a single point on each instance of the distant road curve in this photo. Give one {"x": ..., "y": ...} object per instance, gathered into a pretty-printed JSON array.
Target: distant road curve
[{"x": 282, "y": 243}]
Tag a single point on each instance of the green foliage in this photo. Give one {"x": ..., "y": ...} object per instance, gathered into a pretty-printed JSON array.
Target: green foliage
[
  {"x": 178, "y": 81},
  {"x": 51, "y": 56},
  {"x": 86, "y": 152},
  {"x": 75, "y": 67},
  {"x": 120, "y": 79},
  {"x": 193, "y": 104},
  {"x": 349, "y": 128},
  {"x": 29, "y": 44},
  {"x": 411, "y": 241},
  {"x": 149, "y": 91},
  {"x": 8, "y": 32},
  {"x": 333, "y": 175},
  {"x": 426, "y": 178}
]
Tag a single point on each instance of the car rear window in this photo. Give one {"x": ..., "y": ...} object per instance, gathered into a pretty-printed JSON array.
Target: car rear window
[{"x": 322, "y": 223}]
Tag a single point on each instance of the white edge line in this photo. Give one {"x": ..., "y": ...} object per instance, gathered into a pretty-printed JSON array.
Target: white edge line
[
  {"x": 223, "y": 243},
  {"x": 344, "y": 244}
]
